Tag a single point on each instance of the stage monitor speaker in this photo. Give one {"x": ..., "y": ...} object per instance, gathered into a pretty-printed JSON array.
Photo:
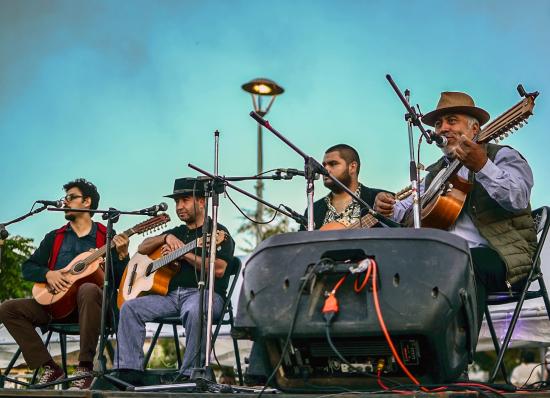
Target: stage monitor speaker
[{"x": 427, "y": 297}]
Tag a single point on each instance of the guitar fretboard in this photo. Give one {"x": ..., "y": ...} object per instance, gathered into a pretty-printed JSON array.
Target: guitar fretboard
[{"x": 161, "y": 262}]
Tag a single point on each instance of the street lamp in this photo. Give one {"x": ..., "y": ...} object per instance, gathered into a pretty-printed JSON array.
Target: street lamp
[{"x": 260, "y": 88}]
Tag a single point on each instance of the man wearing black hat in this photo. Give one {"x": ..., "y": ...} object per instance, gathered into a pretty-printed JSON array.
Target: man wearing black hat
[
  {"x": 183, "y": 295},
  {"x": 496, "y": 219}
]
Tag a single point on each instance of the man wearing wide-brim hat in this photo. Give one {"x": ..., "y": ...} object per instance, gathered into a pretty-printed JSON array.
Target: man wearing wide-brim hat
[
  {"x": 496, "y": 217},
  {"x": 183, "y": 296}
]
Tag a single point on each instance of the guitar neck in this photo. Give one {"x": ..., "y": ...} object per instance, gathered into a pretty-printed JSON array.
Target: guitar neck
[
  {"x": 103, "y": 249},
  {"x": 367, "y": 221},
  {"x": 171, "y": 257}
]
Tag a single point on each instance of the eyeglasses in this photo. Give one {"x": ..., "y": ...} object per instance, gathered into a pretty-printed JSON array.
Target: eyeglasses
[{"x": 70, "y": 197}]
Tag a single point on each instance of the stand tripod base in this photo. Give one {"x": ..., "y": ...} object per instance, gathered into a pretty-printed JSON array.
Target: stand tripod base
[{"x": 205, "y": 373}]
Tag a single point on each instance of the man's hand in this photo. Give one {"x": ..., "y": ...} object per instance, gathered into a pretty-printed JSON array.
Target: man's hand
[
  {"x": 471, "y": 154},
  {"x": 121, "y": 244},
  {"x": 57, "y": 281},
  {"x": 383, "y": 203},
  {"x": 171, "y": 243}
]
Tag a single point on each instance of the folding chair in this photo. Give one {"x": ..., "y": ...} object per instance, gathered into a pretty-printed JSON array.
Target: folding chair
[
  {"x": 234, "y": 269},
  {"x": 542, "y": 224}
]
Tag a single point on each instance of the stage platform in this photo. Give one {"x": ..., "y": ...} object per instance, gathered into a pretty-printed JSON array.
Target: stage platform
[{"x": 130, "y": 394}]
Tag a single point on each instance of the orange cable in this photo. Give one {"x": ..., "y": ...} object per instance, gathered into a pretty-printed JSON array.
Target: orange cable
[
  {"x": 364, "y": 283},
  {"x": 385, "y": 331}
]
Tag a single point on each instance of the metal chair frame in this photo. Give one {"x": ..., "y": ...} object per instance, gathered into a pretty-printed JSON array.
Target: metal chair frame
[{"x": 541, "y": 217}]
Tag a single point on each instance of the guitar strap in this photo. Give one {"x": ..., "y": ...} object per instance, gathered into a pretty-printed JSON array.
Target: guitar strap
[{"x": 100, "y": 238}]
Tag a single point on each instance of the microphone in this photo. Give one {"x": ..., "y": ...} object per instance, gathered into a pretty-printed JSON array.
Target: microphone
[
  {"x": 154, "y": 209},
  {"x": 294, "y": 172},
  {"x": 441, "y": 141},
  {"x": 54, "y": 203}
]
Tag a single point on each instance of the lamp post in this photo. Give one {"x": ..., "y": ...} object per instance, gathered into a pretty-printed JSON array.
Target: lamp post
[{"x": 260, "y": 88}]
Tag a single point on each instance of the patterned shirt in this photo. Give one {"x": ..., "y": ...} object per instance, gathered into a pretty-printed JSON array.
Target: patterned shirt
[{"x": 351, "y": 213}]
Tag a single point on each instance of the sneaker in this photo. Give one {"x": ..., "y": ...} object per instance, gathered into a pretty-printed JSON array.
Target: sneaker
[
  {"x": 84, "y": 382},
  {"x": 51, "y": 374}
]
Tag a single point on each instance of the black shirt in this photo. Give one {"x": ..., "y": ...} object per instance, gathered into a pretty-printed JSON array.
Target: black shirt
[
  {"x": 188, "y": 275},
  {"x": 73, "y": 245}
]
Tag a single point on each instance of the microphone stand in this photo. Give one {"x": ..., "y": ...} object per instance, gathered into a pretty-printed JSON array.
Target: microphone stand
[
  {"x": 4, "y": 232},
  {"x": 413, "y": 169},
  {"x": 225, "y": 182},
  {"x": 312, "y": 167},
  {"x": 202, "y": 378},
  {"x": 413, "y": 118},
  {"x": 112, "y": 216}
]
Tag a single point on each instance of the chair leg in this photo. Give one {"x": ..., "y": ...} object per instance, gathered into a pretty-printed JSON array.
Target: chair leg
[
  {"x": 177, "y": 344},
  {"x": 236, "y": 349},
  {"x": 542, "y": 287},
  {"x": 7, "y": 371},
  {"x": 110, "y": 350},
  {"x": 509, "y": 333},
  {"x": 495, "y": 342},
  {"x": 63, "y": 345},
  {"x": 152, "y": 346}
]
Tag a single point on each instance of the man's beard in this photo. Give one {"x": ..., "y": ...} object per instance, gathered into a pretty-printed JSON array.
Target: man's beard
[
  {"x": 449, "y": 151},
  {"x": 70, "y": 217},
  {"x": 187, "y": 218},
  {"x": 344, "y": 179}
]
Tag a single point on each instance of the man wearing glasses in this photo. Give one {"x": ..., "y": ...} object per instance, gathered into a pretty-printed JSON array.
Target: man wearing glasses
[{"x": 57, "y": 249}]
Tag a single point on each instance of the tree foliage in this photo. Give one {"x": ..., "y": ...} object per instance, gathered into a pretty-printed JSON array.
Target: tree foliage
[
  {"x": 249, "y": 230},
  {"x": 14, "y": 252}
]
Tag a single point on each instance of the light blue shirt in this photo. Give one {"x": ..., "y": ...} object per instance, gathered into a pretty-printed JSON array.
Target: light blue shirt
[{"x": 508, "y": 180}]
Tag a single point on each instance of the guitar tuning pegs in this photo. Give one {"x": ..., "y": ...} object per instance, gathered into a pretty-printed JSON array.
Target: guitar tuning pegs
[
  {"x": 520, "y": 124},
  {"x": 526, "y": 122}
]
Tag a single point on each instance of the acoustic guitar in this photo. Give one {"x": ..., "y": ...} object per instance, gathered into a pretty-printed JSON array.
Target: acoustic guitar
[
  {"x": 444, "y": 199},
  {"x": 84, "y": 268},
  {"x": 151, "y": 274}
]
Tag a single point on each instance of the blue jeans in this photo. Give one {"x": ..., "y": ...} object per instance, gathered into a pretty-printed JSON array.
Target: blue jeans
[{"x": 135, "y": 313}]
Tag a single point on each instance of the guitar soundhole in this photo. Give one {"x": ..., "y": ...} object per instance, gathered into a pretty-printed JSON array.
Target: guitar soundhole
[
  {"x": 79, "y": 267},
  {"x": 435, "y": 292},
  {"x": 148, "y": 270}
]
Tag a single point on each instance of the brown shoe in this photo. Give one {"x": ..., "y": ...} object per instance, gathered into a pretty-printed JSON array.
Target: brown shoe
[
  {"x": 84, "y": 382},
  {"x": 51, "y": 374}
]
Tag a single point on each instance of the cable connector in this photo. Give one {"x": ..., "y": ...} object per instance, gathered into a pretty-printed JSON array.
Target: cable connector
[
  {"x": 380, "y": 365},
  {"x": 330, "y": 308}
]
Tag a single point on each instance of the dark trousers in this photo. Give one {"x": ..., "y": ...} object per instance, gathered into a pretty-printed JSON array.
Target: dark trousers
[
  {"x": 490, "y": 274},
  {"x": 22, "y": 316}
]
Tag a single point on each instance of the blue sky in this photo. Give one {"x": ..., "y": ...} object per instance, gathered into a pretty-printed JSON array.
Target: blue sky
[{"x": 127, "y": 93}]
